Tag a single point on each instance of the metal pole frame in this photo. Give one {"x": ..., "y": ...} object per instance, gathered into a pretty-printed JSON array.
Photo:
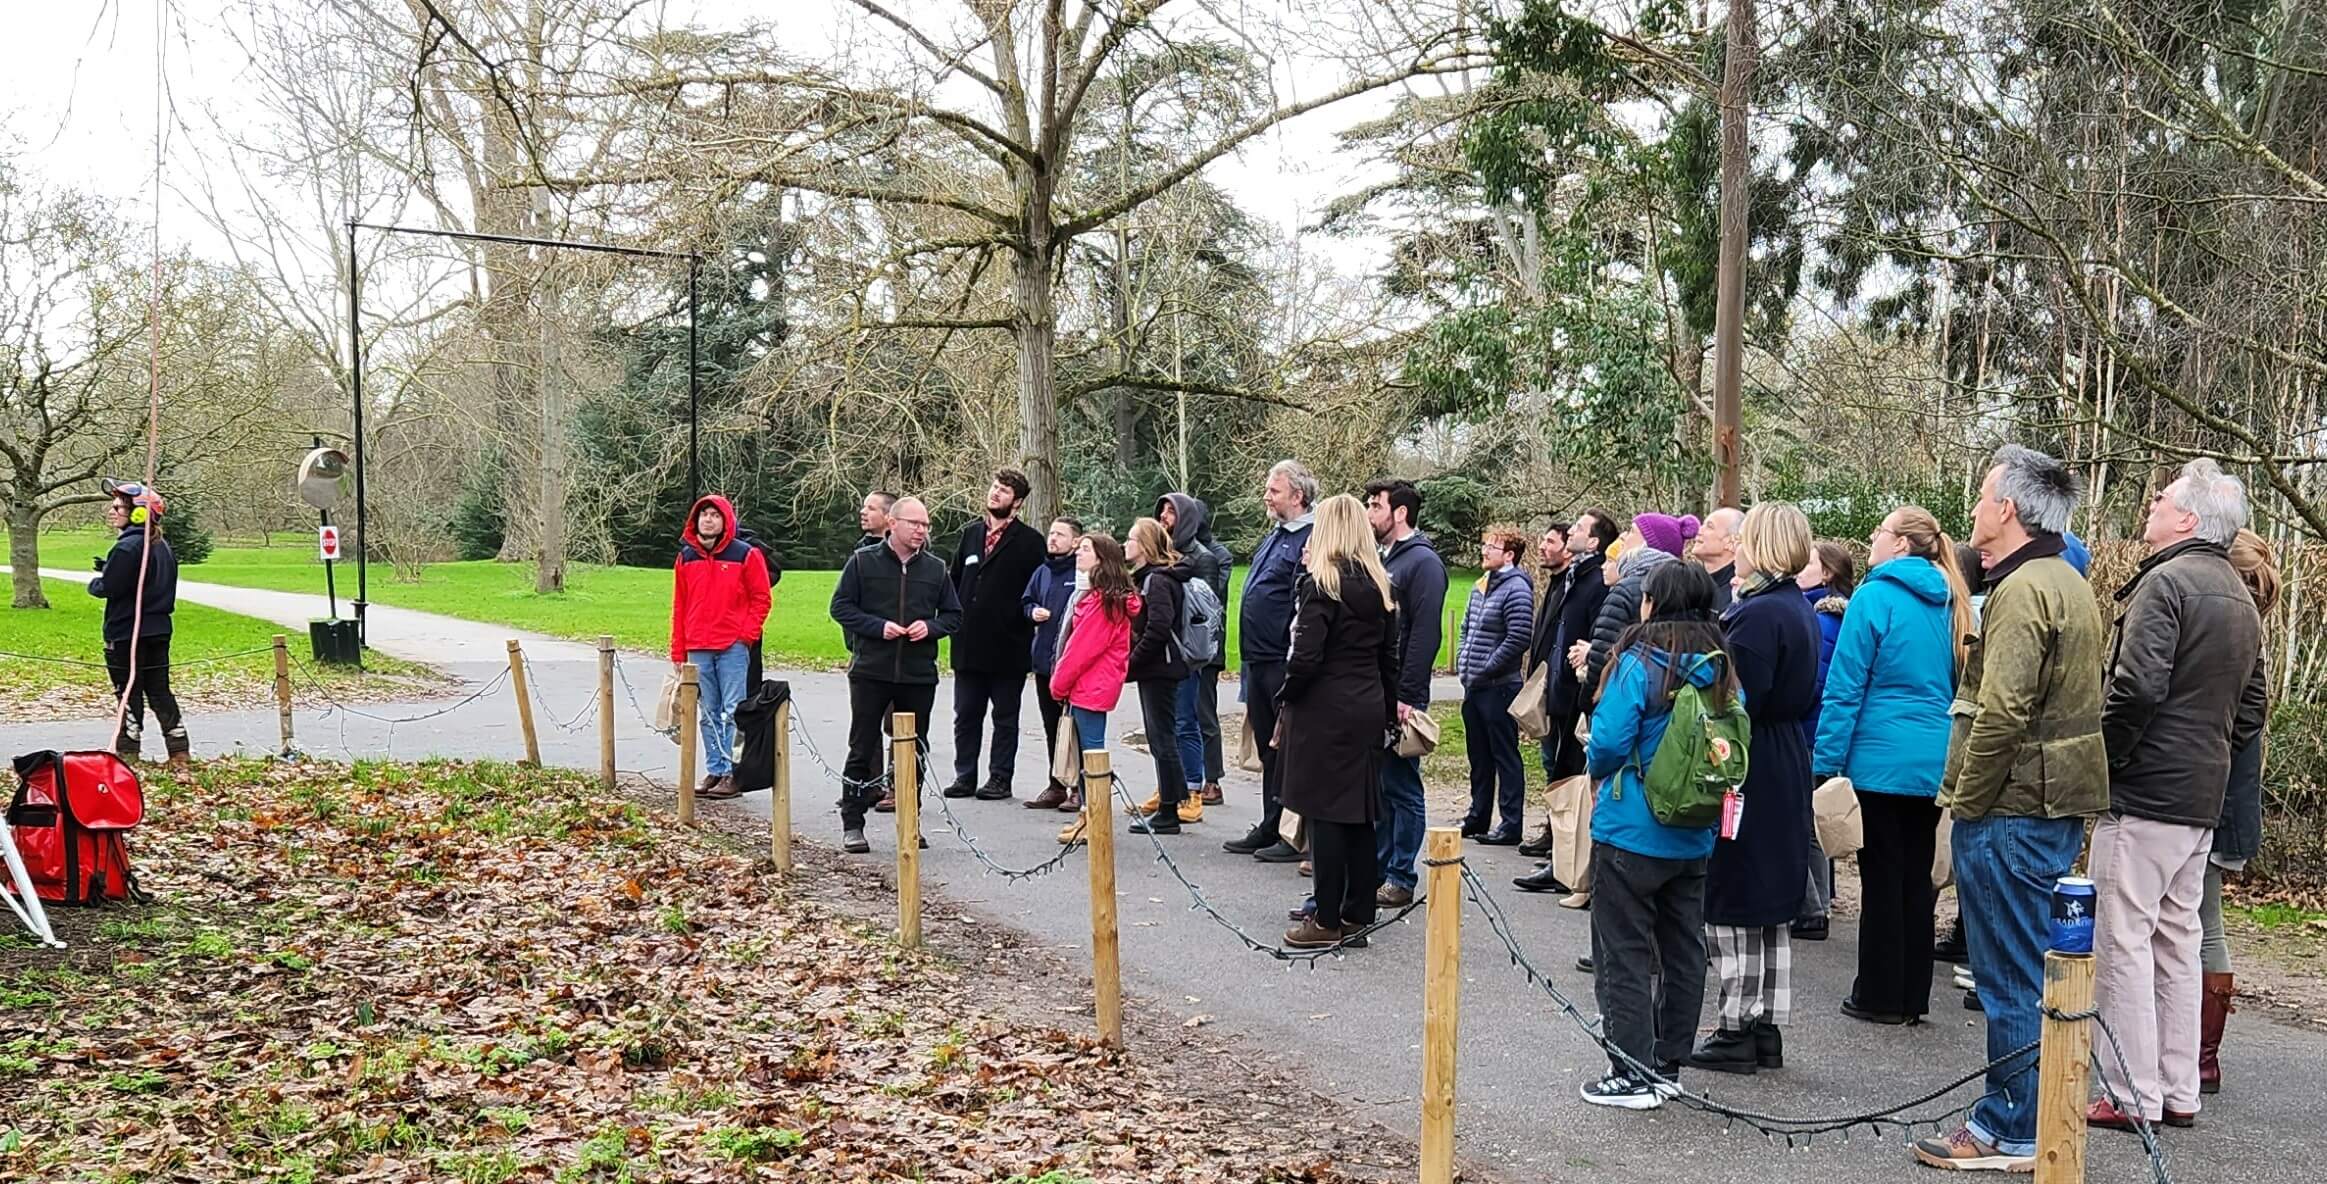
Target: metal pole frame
[{"x": 355, "y": 353}]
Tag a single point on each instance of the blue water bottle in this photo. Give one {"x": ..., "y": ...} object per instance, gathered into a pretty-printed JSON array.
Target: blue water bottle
[{"x": 2072, "y": 915}]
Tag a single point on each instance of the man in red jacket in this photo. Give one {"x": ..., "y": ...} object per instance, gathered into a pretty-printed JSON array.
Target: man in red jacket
[{"x": 719, "y": 604}]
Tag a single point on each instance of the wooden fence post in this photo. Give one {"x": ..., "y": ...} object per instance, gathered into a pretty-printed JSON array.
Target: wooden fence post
[
  {"x": 688, "y": 690},
  {"x": 524, "y": 705},
  {"x": 2064, "y": 1069},
  {"x": 606, "y": 711},
  {"x": 283, "y": 690},
  {"x": 1106, "y": 955},
  {"x": 908, "y": 788},
  {"x": 780, "y": 799},
  {"x": 1441, "y": 1003}
]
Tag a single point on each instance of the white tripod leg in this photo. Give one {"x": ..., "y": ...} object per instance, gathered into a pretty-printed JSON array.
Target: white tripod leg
[{"x": 24, "y": 902}]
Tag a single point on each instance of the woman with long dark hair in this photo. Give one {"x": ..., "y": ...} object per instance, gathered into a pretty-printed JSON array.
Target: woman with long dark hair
[
  {"x": 1094, "y": 649},
  {"x": 1648, "y": 879}
]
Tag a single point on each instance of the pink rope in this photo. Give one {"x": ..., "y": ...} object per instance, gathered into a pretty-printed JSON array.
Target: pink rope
[{"x": 153, "y": 368}]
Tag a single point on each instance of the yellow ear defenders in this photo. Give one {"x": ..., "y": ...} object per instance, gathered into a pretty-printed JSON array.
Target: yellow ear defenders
[{"x": 144, "y": 504}]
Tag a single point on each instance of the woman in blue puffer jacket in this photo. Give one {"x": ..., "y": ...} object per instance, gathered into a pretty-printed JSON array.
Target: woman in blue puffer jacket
[{"x": 1884, "y": 724}]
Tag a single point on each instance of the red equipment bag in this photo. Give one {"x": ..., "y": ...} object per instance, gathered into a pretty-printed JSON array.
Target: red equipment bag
[{"x": 69, "y": 815}]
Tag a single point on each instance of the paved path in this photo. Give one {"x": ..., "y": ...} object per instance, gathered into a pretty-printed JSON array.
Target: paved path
[{"x": 1352, "y": 1025}]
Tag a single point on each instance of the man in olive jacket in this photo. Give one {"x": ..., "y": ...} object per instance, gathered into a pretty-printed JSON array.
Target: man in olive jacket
[
  {"x": 2186, "y": 689},
  {"x": 2020, "y": 781},
  {"x": 896, "y": 601}
]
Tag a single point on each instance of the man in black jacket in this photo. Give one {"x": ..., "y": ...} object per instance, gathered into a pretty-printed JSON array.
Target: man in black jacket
[
  {"x": 140, "y": 613},
  {"x": 896, "y": 601},
  {"x": 1418, "y": 584},
  {"x": 1265, "y": 641},
  {"x": 1582, "y": 586},
  {"x": 992, "y": 654}
]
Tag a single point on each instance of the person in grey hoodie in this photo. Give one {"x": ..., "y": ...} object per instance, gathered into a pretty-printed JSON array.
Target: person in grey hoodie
[{"x": 1202, "y": 762}]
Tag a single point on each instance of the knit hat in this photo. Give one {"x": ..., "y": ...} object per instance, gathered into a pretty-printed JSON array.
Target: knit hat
[{"x": 1666, "y": 533}]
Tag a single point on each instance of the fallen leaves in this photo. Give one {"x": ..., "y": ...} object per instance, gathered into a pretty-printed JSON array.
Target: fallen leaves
[{"x": 485, "y": 973}]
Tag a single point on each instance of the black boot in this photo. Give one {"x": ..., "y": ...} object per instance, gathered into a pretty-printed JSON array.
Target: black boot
[
  {"x": 1255, "y": 839},
  {"x": 1541, "y": 880},
  {"x": 1538, "y": 847},
  {"x": 1769, "y": 1046},
  {"x": 1728, "y": 1052}
]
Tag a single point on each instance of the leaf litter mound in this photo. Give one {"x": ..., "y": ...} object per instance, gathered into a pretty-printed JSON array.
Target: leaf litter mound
[{"x": 481, "y": 972}]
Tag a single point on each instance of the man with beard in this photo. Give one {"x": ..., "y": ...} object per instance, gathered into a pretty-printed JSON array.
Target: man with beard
[
  {"x": 1418, "y": 585},
  {"x": 993, "y": 652}
]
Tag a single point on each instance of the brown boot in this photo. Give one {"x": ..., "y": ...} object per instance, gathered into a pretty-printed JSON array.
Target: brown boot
[
  {"x": 1050, "y": 798},
  {"x": 1211, "y": 795},
  {"x": 721, "y": 788},
  {"x": 1309, "y": 935},
  {"x": 2213, "y": 1016}
]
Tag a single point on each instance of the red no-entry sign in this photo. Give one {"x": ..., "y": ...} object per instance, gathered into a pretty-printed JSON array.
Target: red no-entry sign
[{"x": 327, "y": 540}]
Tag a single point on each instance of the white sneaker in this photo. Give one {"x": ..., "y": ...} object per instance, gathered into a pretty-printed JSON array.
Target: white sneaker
[
  {"x": 1964, "y": 980},
  {"x": 1623, "y": 1093}
]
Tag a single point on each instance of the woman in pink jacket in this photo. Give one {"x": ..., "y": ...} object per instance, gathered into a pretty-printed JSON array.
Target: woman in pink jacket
[{"x": 1094, "y": 649}]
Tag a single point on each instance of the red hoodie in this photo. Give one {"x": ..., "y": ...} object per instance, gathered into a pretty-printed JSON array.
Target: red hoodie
[
  {"x": 1089, "y": 673},
  {"x": 719, "y": 593}
]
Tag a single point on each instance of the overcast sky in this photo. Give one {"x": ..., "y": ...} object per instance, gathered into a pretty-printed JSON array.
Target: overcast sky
[{"x": 77, "y": 109}]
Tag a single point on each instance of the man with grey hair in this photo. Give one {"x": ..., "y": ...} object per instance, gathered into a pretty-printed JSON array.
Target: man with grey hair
[
  {"x": 1716, "y": 552},
  {"x": 1265, "y": 641},
  {"x": 2024, "y": 770},
  {"x": 2186, "y": 689}
]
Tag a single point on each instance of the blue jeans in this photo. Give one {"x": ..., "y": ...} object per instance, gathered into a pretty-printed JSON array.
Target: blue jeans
[
  {"x": 1498, "y": 780},
  {"x": 1398, "y": 837},
  {"x": 2004, "y": 872},
  {"x": 719, "y": 676},
  {"x": 1090, "y": 727},
  {"x": 1190, "y": 730}
]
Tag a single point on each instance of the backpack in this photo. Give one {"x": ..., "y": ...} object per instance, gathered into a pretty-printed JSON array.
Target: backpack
[
  {"x": 767, "y": 550},
  {"x": 1701, "y": 759},
  {"x": 1201, "y": 623},
  {"x": 68, "y": 817}
]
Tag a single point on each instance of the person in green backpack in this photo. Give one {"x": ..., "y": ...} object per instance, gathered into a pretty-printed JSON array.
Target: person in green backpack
[{"x": 1648, "y": 875}]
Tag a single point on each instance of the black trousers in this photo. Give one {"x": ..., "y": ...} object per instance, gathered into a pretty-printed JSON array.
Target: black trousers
[
  {"x": 1208, "y": 724},
  {"x": 1648, "y": 932},
  {"x": 972, "y": 692},
  {"x": 1897, "y": 904},
  {"x": 1262, "y": 681},
  {"x": 1051, "y": 710},
  {"x": 1158, "y": 704},
  {"x": 1345, "y": 871},
  {"x": 755, "y": 672},
  {"x": 870, "y": 703},
  {"x": 153, "y": 689}
]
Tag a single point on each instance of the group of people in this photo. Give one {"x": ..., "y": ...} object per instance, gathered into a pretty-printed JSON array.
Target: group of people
[{"x": 1970, "y": 690}]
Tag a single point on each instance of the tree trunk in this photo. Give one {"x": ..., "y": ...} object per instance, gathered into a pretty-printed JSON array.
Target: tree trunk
[
  {"x": 24, "y": 554},
  {"x": 549, "y": 570},
  {"x": 1126, "y": 403},
  {"x": 1729, "y": 291},
  {"x": 1037, "y": 397}
]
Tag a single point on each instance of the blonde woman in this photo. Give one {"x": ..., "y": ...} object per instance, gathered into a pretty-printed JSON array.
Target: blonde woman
[
  {"x": 1336, "y": 713},
  {"x": 1753, "y": 887}
]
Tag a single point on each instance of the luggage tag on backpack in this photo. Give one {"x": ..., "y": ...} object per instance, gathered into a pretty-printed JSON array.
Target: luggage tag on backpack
[{"x": 1732, "y": 812}]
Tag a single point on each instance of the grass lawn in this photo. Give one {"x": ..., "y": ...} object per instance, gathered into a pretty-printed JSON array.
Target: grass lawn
[
  {"x": 72, "y": 628},
  {"x": 632, "y": 604}
]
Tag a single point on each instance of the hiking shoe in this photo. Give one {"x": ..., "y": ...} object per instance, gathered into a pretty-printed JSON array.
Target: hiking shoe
[
  {"x": 994, "y": 790},
  {"x": 1073, "y": 833},
  {"x": 1962, "y": 1151},
  {"x": 1280, "y": 852},
  {"x": 1192, "y": 808},
  {"x": 1158, "y": 823},
  {"x": 1390, "y": 896},
  {"x": 709, "y": 780},
  {"x": 1253, "y": 840},
  {"x": 720, "y": 789},
  {"x": 887, "y": 804},
  {"x": 1211, "y": 794},
  {"x": 1153, "y": 803},
  {"x": 1309, "y": 935},
  {"x": 1052, "y": 797},
  {"x": 1623, "y": 1093},
  {"x": 852, "y": 840}
]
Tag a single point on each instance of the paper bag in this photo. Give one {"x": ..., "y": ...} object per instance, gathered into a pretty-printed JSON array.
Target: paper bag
[
  {"x": 666, "y": 706},
  {"x": 1066, "y": 758},
  {"x": 1943, "y": 855},
  {"x": 1571, "y": 831},
  {"x": 1248, "y": 748},
  {"x": 1531, "y": 708},
  {"x": 1418, "y": 736},
  {"x": 1291, "y": 829},
  {"x": 1841, "y": 832}
]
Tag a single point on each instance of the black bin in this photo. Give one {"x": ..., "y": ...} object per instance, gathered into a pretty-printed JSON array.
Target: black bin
[{"x": 335, "y": 641}]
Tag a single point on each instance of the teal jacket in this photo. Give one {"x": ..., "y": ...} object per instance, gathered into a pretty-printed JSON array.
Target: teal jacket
[
  {"x": 1883, "y": 722},
  {"x": 1627, "y": 725}
]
